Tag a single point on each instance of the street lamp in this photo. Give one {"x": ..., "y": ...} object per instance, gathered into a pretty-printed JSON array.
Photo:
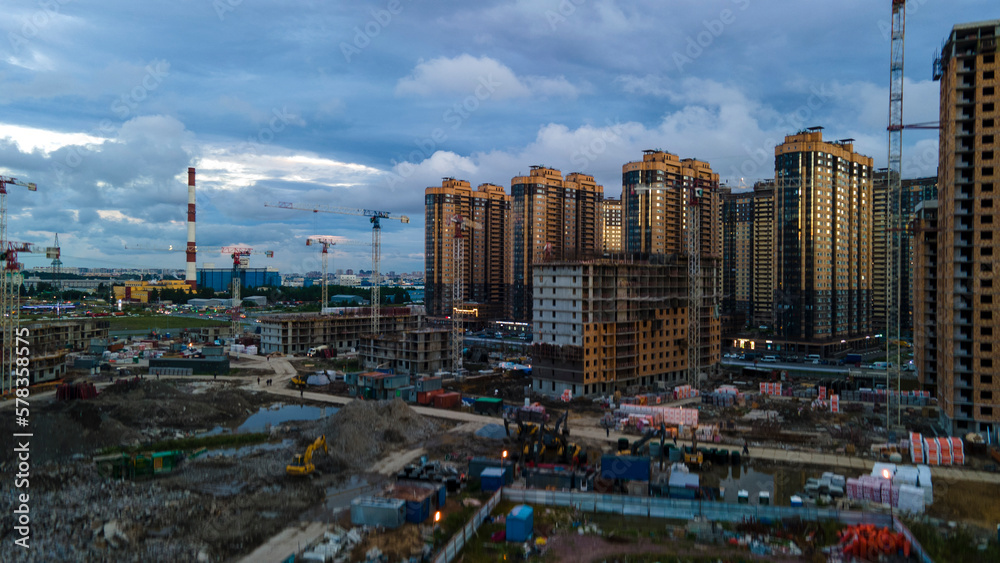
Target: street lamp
[
  {"x": 503, "y": 476},
  {"x": 888, "y": 475}
]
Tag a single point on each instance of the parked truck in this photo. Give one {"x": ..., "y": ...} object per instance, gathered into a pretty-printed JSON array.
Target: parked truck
[{"x": 851, "y": 360}]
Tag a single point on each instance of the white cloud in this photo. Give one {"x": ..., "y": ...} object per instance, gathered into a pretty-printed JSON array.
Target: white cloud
[
  {"x": 466, "y": 74},
  {"x": 30, "y": 139}
]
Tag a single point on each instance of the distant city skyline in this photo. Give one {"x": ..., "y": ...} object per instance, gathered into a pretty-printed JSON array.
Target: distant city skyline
[{"x": 367, "y": 104}]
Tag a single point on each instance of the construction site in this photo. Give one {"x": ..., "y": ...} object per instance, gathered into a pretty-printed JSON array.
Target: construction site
[{"x": 183, "y": 468}]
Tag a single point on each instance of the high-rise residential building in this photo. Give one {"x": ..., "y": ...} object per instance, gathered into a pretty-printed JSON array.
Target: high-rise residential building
[
  {"x": 913, "y": 192},
  {"x": 762, "y": 287},
  {"x": 926, "y": 265},
  {"x": 823, "y": 240},
  {"x": 737, "y": 253},
  {"x": 611, "y": 225},
  {"x": 551, "y": 219},
  {"x": 881, "y": 245},
  {"x": 966, "y": 353},
  {"x": 609, "y": 324},
  {"x": 485, "y": 252},
  {"x": 656, "y": 192}
]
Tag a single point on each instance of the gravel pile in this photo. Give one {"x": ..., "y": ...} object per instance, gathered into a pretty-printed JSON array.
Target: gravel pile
[
  {"x": 362, "y": 431},
  {"x": 492, "y": 432}
]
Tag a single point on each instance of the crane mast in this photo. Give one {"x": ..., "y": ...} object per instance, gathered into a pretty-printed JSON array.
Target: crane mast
[
  {"x": 10, "y": 286},
  {"x": 893, "y": 219},
  {"x": 694, "y": 285},
  {"x": 326, "y": 241}
]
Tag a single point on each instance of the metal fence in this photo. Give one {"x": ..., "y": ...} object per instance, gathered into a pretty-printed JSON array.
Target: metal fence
[
  {"x": 458, "y": 541},
  {"x": 676, "y": 509},
  {"x": 653, "y": 507}
]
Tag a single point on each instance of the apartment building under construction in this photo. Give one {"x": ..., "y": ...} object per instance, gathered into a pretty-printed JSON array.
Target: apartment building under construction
[
  {"x": 551, "y": 219},
  {"x": 342, "y": 328},
  {"x": 609, "y": 324},
  {"x": 657, "y": 193},
  {"x": 52, "y": 342},
  {"x": 960, "y": 352},
  {"x": 410, "y": 352},
  {"x": 485, "y": 271}
]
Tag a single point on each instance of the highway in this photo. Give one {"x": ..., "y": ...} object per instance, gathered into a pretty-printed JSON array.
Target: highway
[{"x": 817, "y": 370}]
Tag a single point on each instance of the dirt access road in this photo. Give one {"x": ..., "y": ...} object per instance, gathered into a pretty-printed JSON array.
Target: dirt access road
[{"x": 593, "y": 432}]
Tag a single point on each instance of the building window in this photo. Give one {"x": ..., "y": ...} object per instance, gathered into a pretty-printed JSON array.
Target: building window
[
  {"x": 986, "y": 362},
  {"x": 986, "y": 411}
]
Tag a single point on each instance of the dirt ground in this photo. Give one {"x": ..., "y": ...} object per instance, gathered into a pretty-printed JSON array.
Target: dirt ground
[{"x": 216, "y": 506}]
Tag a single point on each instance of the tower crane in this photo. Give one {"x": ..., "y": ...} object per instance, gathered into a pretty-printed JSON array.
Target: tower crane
[
  {"x": 458, "y": 289},
  {"x": 376, "y": 218},
  {"x": 10, "y": 284},
  {"x": 240, "y": 256},
  {"x": 326, "y": 242}
]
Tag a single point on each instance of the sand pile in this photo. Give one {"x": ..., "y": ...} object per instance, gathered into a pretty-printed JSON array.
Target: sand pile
[{"x": 362, "y": 431}]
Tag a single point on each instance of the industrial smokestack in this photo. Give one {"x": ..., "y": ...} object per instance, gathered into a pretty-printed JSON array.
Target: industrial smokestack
[{"x": 191, "y": 275}]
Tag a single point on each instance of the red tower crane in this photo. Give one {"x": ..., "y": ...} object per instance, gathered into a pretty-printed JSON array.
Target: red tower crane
[{"x": 10, "y": 285}]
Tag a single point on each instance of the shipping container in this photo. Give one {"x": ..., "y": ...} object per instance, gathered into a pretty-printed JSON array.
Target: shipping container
[
  {"x": 634, "y": 468},
  {"x": 447, "y": 400},
  {"x": 520, "y": 523},
  {"x": 428, "y": 384},
  {"x": 488, "y": 405},
  {"x": 373, "y": 511}
]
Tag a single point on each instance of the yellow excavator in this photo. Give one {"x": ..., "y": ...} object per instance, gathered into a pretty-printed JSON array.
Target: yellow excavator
[{"x": 302, "y": 463}]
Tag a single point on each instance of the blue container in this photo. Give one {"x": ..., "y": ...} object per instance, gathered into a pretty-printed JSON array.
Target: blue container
[
  {"x": 632, "y": 468},
  {"x": 442, "y": 495},
  {"x": 418, "y": 510},
  {"x": 520, "y": 523},
  {"x": 492, "y": 478}
]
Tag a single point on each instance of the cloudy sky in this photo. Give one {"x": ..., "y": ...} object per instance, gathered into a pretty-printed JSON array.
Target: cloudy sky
[{"x": 363, "y": 104}]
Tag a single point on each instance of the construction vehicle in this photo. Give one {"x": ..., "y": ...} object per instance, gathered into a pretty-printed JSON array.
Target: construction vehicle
[
  {"x": 299, "y": 381},
  {"x": 302, "y": 463},
  {"x": 693, "y": 458},
  {"x": 639, "y": 445}
]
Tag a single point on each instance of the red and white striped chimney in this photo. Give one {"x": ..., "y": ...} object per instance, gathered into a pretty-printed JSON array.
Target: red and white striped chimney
[{"x": 191, "y": 275}]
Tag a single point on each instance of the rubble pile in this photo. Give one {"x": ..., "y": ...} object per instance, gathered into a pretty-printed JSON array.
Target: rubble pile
[{"x": 361, "y": 431}]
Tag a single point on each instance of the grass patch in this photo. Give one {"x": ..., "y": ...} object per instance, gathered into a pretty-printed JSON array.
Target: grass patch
[
  {"x": 958, "y": 545},
  {"x": 193, "y": 443}
]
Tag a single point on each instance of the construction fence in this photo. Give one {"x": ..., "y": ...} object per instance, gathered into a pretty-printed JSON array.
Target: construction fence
[
  {"x": 654, "y": 507},
  {"x": 457, "y": 542}
]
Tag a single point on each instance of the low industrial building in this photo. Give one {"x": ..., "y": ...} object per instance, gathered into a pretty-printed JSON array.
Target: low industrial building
[
  {"x": 209, "y": 365},
  {"x": 139, "y": 291},
  {"x": 341, "y": 328}
]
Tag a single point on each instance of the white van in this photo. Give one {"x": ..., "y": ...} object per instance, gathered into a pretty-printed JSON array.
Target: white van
[
  {"x": 812, "y": 359},
  {"x": 770, "y": 359}
]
